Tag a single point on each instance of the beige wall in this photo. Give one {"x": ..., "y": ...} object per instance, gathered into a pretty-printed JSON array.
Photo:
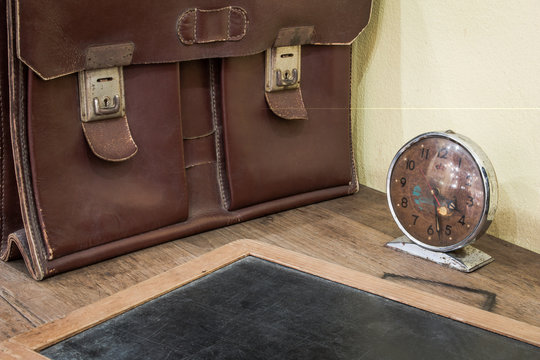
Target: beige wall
[{"x": 469, "y": 66}]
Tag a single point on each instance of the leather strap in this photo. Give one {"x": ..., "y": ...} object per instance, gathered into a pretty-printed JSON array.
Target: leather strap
[
  {"x": 200, "y": 150},
  {"x": 287, "y": 104},
  {"x": 110, "y": 139},
  {"x": 198, "y": 26},
  {"x": 99, "y": 57},
  {"x": 300, "y": 35}
]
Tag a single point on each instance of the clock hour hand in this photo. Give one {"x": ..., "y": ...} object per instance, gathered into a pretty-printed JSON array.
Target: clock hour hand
[
  {"x": 437, "y": 224},
  {"x": 430, "y": 189}
]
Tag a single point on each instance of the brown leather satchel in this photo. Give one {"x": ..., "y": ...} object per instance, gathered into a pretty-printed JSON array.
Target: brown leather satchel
[{"x": 138, "y": 122}]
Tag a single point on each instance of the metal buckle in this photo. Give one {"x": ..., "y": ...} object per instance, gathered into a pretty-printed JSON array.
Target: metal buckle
[
  {"x": 101, "y": 94},
  {"x": 283, "y": 68}
]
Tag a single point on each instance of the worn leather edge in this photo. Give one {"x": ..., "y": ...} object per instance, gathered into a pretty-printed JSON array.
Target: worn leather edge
[
  {"x": 287, "y": 104},
  {"x": 354, "y": 185},
  {"x": 3, "y": 175},
  {"x": 9, "y": 250},
  {"x": 35, "y": 249},
  {"x": 105, "y": 56},
  {"x": 10, "y": 211},
  {"x": 18, "y": 241},
  {"x": 293, "y": 36},
  {"x": 361, "y": 31},
  {"x": 110, "y": 139}
]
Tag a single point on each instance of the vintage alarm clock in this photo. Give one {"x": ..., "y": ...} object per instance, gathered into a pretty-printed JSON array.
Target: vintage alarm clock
[{"x": 442, "y": 193}]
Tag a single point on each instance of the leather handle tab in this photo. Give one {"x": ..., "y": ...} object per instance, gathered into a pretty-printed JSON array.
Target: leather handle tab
[
  {"x": 287, "y": 104},
  {"x": 198, "y": 26},
  {"x": 110, "y": 139}
]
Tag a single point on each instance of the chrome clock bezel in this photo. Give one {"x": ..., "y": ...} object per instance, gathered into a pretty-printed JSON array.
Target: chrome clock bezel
[{"x": 489, "y": 182}]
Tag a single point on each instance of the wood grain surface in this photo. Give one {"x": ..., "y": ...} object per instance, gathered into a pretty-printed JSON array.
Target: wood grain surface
[
  {"x": 349, "y": 231},
  {"x": 21, "y": 346}
]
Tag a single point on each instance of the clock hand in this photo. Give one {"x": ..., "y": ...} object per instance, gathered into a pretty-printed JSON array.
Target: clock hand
[
  {"x": 452, "y": 206},
  {"x": 430, "y": 188},
  {"x": 437, "y": 225}
]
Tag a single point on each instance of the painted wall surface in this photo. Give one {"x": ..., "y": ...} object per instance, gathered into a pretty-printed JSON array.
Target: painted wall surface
[{"x": 469, "y": 66}]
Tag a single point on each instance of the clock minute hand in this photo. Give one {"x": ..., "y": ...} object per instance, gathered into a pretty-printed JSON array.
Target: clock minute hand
[{"x": 437, "y": 224}]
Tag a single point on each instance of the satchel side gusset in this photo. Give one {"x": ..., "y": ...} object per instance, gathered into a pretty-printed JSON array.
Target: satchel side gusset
[{"x": 28, "y": 242}]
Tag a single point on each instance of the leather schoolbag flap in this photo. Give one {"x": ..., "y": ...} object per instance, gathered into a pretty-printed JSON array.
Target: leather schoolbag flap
[{"x": 61, "y": 37}]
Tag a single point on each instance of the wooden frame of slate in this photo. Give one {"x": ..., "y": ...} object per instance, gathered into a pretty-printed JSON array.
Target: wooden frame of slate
[{"x": 28, "y": 345}]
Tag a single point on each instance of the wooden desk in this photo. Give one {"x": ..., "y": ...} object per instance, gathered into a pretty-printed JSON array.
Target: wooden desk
[{"x": 349, "y": 231}]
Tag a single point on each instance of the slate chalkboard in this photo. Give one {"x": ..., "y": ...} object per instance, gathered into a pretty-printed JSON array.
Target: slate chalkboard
[{"x": 254, "y": 309}]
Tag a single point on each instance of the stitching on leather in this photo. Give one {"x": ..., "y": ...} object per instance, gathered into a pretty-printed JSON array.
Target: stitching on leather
[
  {"x": 196, "y": 40},
  {"x": 219, "y": 155},
  {"x": 15, "y": 70},
  {"x": 37, "y": 245},
  {"x": 195, "y": 25},
  {"x": 179, "y": 25},
  {"x": 243, "y": 13},
  {"x": 2, "y": 132},
  {"x": 229, "y": 22},
  {"x": 26, "y": 166}
]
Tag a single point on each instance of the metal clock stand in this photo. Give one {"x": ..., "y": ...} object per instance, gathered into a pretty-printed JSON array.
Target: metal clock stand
[{"x": 466, "y": 259}]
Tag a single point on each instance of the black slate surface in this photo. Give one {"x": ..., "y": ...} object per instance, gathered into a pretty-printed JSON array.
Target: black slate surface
[{"x": 254, "y": 309}]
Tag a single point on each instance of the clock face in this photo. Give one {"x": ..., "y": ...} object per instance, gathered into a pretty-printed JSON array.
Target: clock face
[{"x": 437, "y": 193}]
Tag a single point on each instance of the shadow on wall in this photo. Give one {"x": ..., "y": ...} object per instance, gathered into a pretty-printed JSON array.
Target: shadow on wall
[
  {"x": 376, "y": 92},
  {"x": 366, "y": 42},
  {"x": 513, "y": 220}
]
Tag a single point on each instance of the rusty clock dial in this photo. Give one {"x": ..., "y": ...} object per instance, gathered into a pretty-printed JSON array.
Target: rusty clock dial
[{"x": 442, "y": 190}]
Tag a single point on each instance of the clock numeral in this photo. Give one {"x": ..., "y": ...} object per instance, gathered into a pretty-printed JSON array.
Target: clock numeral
[
  {"x": 468, "y": 181},
  {"x": 415, "y": 218},
  {"x": 462, "y": 220},
  {"x": 443, "y": 153},
  {"x": 459, "y": 163},
  {"x": 430, "y": 230},
  {"x": 403, "y": 181},
  {"x": 410, "y": 164},
  {"x": 425, "y": 154},
  {"x": 404, "y": 202},
  {"x": 448, "y": 230},
  {"x": 470, "y": 201}
]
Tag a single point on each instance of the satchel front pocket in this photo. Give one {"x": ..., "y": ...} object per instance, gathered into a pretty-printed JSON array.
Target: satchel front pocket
[
  {"x": 84, "y": 201},
  {"x": 268, "y": 157}
]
